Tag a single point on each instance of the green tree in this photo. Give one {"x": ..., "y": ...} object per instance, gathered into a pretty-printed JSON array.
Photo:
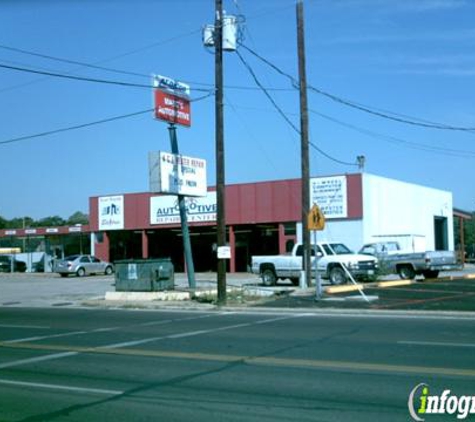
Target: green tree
[
  {"x": 53, "y": 221},
  {"x": 78, "y": 218}
]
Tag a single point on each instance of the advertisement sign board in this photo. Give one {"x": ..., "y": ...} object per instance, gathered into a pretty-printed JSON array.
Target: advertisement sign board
[
  {"x": 172, "y": 108},
  {"x": 165, "y": 210},
  {"x": 111, "y": 212},
  {"x": 176, "y": 174},
  {"x": 330, "y": 193},
  {"x": 174, "y": 87}
]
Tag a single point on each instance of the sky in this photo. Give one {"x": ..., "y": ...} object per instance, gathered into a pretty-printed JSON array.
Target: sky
[{"x": 399, "y": 77}]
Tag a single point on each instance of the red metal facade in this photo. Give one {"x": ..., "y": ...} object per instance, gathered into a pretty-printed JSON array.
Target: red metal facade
[{"x": 247, "y": 203}]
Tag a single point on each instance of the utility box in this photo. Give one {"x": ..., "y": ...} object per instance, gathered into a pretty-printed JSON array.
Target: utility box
[{"x": 144, "y": 275}]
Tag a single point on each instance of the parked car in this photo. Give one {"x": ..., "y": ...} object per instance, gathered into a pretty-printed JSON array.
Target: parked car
[
  {"x": 82, "y": 265},
  {"x": 6, "y": 264}
]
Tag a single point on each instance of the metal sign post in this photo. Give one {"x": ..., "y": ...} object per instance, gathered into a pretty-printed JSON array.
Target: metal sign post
[
  {"x": 190, "y": 268},
  {"x": 172, "y": 105},
  {"x": 316, "y": 222}
]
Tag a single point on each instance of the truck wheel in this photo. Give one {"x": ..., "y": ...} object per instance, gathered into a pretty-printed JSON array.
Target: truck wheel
[
  {"x": 430, "y": 274},
  {"x": 268, "y": 277},
  {"x": 337, "y": 276},
  {"x": 406, "y": 272}
]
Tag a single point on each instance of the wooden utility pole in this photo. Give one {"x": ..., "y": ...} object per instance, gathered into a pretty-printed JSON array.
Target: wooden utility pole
[
  {"x": 220, "y": 179},
  {"x": 305, "y": 162}
]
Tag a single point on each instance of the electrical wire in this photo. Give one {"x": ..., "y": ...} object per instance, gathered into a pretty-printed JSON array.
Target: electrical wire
[
  {"x": 85, "y": 125},
  {"x": 69, "y": 61},
  {"x": 81, "y": 126},
  {"x": 399, "y": 141},
  {"x": 397, "y": 117},
  {"x": 84, "y": 79},
  {"x": 284, "y": 116}
]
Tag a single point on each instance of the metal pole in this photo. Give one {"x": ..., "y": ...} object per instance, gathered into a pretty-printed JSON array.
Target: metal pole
[
  {"x": 305, "y": 161},
  {"x": 220, "y": 173},
  {"x": 190, "y": 268},
  {"x": 318, "y": 279}
]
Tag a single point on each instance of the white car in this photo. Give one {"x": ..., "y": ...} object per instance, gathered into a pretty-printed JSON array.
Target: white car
[{"x": 82, "y": 265}]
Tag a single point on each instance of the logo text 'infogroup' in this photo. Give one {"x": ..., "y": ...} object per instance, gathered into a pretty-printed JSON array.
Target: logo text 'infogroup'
[{"x": 422, "y": 403}]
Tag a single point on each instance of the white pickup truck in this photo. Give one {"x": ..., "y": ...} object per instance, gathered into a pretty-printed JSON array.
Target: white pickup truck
[
  {"x": 331, "y": 257},
  {"x": 409, "y": 264}
]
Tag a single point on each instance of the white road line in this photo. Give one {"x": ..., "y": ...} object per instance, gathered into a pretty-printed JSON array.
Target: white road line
[
  {"x": 36, "y": 327},
  {"x": 101, "y": 330},
  {"x": 436, "y": 343},
  {"x": 197, "y": 332},
  {"x": 22, "y": 340},
  {"x": 61, "y": 387},
  {"x": 37, "y": 359}
]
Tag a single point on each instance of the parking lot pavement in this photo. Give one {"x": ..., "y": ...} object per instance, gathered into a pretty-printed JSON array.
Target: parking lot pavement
[{"x": 451, "y": 292}]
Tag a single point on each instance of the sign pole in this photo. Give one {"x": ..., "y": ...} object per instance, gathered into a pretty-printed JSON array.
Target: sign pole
[
  {"x": 318, "y": 279},
  {"x": 190, "y": 269}
]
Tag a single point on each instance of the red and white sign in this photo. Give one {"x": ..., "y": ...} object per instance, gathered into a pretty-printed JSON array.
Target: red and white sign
[{"x": 172, "y": 108}]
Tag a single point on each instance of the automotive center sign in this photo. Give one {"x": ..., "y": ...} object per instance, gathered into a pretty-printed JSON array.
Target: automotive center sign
[
  {"x": 165, "y": 209},
  {"x": 171, "y": 101}
]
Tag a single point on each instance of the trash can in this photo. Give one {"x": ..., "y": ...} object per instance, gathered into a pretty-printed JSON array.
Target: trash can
[{"x": 144, "y": 275}]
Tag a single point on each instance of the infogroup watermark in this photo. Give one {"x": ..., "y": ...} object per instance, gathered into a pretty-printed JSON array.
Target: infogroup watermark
[{"x": 422, "y": 403}]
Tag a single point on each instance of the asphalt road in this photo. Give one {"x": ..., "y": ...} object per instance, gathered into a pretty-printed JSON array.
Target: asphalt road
[{"x": 123, "y": 365}]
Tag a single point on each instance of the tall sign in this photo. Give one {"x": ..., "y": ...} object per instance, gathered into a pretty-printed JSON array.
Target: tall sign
[
  {"x": 175, "y": 174},
  {"x": 172, "y": 101}
]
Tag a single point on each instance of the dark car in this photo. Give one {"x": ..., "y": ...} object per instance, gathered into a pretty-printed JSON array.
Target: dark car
[{"x": 6, "y": 264}]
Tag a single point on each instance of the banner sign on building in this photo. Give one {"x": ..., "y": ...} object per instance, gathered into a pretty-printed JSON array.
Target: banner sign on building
[
  {"x": 330, "y": 193},
  {"x": 176, "y": 174},
  {"x": 111, "y": 212},
  {"x": 165, "y": 210}
]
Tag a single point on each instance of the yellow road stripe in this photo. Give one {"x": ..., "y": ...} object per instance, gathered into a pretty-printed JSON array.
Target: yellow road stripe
[{"x": 253, "y": 360}]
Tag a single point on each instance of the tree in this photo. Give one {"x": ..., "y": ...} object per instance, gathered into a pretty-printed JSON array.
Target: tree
[
  {"x": 53, "y": 221},
  {"x": 78, "y": 218}
]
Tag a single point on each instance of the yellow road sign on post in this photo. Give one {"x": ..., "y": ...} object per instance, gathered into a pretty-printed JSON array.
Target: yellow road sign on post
[{"x": 316, "y": 219}]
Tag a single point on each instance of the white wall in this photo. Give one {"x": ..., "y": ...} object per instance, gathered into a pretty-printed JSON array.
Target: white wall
[
  {"x": 392, "y": 207},
  {"x": 349, "y": 232}
]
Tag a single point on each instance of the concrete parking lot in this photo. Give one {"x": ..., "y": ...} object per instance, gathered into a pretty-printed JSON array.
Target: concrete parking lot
[{"x": 450, "y": 292}]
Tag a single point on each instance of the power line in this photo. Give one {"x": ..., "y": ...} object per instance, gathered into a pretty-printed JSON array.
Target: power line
[
  {"x": 284, "y": 116},
  {"x": 399, "y": 141},
  {"x": 81, "y": 126},
  {"x": 94, "y": 123},
  {"x": 397, "y": 117},
  {"x": 69, "y": 61},
  {"x": 84, "y": 79},
  {"x": 266, "y": 93}
]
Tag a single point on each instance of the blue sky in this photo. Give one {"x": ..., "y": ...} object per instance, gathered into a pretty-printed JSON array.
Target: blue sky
[{"x": 413, "y": 58}]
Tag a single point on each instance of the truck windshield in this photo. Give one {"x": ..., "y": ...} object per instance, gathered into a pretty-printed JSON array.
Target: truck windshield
[{"x": 336, "y": 249}]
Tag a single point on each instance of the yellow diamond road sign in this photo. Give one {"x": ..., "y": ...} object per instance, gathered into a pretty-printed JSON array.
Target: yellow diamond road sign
[{"x": 316, "y": 219}]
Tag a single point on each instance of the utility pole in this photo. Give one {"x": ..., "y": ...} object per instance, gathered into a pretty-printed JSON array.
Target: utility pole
[
  {"x": 220, "y": 179},
  {"x": 305, "y": 162}
]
